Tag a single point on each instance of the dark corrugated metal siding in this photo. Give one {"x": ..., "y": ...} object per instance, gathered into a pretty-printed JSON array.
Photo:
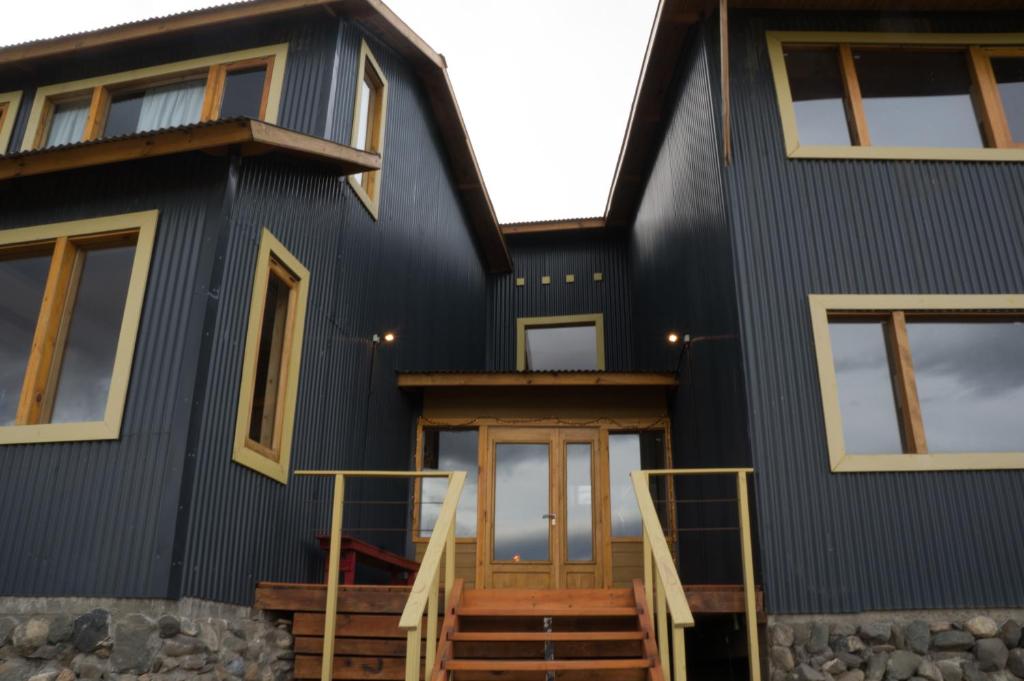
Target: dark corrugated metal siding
[
  {"x": 97, "y": 519},
  {"x": 415, "y": 271},
  {"x": 557, "y": 255},
  {"x": 681, "y": 263},
  {"x": 852, "y": 542}
]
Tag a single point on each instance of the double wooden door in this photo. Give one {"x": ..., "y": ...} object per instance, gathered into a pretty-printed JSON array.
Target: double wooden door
[{"x": 544, "y": 502}]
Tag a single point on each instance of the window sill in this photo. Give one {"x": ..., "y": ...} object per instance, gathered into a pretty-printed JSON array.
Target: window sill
[
  {"x": 250, "y": 458},
  {"x": 60, "y": 432},
  {"x": 372, "y": 206},
  {"x": 885, "y": 463},
  {"x": 905, "y": 153}
]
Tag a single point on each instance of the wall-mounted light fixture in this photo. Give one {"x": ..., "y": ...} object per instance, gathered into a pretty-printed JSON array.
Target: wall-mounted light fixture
[
  {"x": 389, "y": 337},
  {"x": 673, "y": 337}
]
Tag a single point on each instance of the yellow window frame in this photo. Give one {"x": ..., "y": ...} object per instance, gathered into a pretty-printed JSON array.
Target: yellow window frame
[
  {"x": 979, "y": 49},
  {"x": 9, "y": 103},
  {"x": 143, "y": 226},
  {"x": 822, "y": 306},
  {"x": 273, "y": 462},
  {"x": 98, "y": 90},
  {"x": 524, "y": 323},
  {"x": 367, "y": 185}
]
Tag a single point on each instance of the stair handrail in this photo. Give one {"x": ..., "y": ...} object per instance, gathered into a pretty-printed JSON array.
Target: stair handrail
[{"x": 425, "y": 590}]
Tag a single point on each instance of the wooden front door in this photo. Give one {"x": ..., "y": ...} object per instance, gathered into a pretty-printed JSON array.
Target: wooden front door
[{"x": 542, "y": 525}]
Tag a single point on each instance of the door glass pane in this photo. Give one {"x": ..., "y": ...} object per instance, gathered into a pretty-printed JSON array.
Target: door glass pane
[
  {"x": 521, "y": 488},
  {"x": 579, "y": 521},
  {"x": 970, "y": 381},
  {"x": 22, "y": 281},
  {"x": 866, "y": 400},
  {"x": 270, "y": 362},
  {"x": 123, "y": 115},
  {"x": 1010, "y": 78},
  {"x": 243, "y": 93},
  {"x": 68, "y": 123},
  {"x": 817, "y": 88},
  {"x": 449, "y": 450},
  {"x": 917, "y": 98},
  {"x": 91, "y": 344},
  {"x": 562, "y": 348}
]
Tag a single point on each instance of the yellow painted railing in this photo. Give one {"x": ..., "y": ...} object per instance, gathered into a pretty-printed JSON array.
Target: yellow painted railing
[
  {"x": 425, "y": 589},
  {"x": 666, "y": 600}
]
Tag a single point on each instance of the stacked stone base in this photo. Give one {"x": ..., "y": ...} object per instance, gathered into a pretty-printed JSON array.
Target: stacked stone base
[
  {"x": 926, "y": 648},
  {"x": 62, "y": 639}
]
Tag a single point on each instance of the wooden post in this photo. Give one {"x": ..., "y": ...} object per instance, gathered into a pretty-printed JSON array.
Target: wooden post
[
  {"x": 749, "y": 596},
  {"x": 648, "y": 575},
  {"x": 333, "y": 567},
  {"x": 432, "y": 621},
  {"x": 662, "y": 616},
  {"x": 412, "y": 654},
  {"x": 679, "y": 654},
  {"x": 449, "y": 564}
]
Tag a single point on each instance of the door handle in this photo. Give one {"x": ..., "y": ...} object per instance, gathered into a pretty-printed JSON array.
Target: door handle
[{"x": 551, "y": 517}]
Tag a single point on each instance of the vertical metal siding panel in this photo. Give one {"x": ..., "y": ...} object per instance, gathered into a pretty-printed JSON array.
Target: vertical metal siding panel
[{"x": 854, "y": 542}]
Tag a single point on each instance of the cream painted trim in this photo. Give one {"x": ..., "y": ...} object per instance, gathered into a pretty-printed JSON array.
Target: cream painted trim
[
  {"x": 776, "y": 41},
  {"x": 371, "y": 200},
  {"x": 279, "y": 52},
  {"x": 839, "y": 460},
  {"x": 242, "y": 453},
  {"x": 110, "y": 427},
  {"x": 13, "y": 101},
  {"x": 524, "y": 323}
]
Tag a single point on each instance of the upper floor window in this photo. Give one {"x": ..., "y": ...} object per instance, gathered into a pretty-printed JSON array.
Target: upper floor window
[
  {"x": 68, "y": 320},
  {"x": 915, "y": 96},
  {"x": 371, "y": 106},
  {"x": 922, "y": 382},
  {"x": 9, "y": 102},
  {"x": 572, "y": 343},
  {"x": 246, "y": 83}
]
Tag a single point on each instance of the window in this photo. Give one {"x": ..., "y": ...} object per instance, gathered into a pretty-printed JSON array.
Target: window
[
  {"x": 245, "y": 83},
  {"x": 9, "y": 102},
  {"x": 69, "y": 317},
  {"x": 371, "y": 107},
  {"x": 629, "y": 452},
  {"x": 921, "y": 382},
  {"x": 446, "y": 449},
  {"x": 573, "y": 343},
  {"x": 912, "y": 96},
  {"x": 270, "y": 366}
]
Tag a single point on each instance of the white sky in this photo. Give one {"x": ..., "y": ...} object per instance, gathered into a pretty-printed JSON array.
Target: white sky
[{"x": 545, "y": 86}]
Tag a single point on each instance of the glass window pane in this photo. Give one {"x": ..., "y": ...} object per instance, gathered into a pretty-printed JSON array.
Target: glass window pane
[
  {"x": 867, "y": 403},
  {"x": 579, "y": 521},
  {"x": 449, "y": 450},
  {"x": 817, "y": 87},
  {"x": 562, "y": 348},
  {"x": 170, "y": 106},
  {"x": 22, "y": 281},
  {"x": 521, "y": 502},
  {"x": 91, "y": 344},
  {"x": 243, "y": 93},
  {"x": 918, "y": 98},
  {"x": 270, "y": 369},
  {"x": 970, "y": 381},
  {"x": 123, "y": 116},
  {"x": 1010, "y": 78},
  {"x": 67, "y": 126},
  {"x": 363, "y": 128},
  {"x": 628, "y": 452}
]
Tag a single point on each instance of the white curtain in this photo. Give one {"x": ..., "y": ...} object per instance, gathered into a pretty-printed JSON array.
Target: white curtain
[
  {"x": 68, "y": 124},
  {"x": 172, "y": 105}
]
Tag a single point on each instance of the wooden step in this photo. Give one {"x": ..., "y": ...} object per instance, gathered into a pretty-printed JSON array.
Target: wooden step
[
  {"x": 552, "y": 597},
  {"x": 545, "y": 610},
  {"x": 545, "y": 665},
  {"x": 547, "y": 636}
]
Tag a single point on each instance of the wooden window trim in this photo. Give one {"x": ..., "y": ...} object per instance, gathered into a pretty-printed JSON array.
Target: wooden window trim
[
  {"x": 99, "y": 89},
  {"x": 9, "y": 104},
  {"x": 272, "y": 259},
  {"x": 369, "y": 194},
  {"x": 897, "y": 308},
  {"x": 524, "y": 323},
  {"x": 68, "y": 239},
  {"x": 979, "y": 49}
]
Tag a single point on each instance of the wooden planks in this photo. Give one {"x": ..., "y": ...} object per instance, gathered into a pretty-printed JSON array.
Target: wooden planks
[
  {"x": 352, "y": 626},
  {"x": 386, "y": 600},
  {"x": 552, "y": 378}
]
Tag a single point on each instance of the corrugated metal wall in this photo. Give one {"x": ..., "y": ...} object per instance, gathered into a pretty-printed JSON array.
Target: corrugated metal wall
[
  {"x": 851, "y": 542},
  {"x": 97, "y": 519},
  {"x": 556, "y": 255},
  {"x": 415, "y": 271}
]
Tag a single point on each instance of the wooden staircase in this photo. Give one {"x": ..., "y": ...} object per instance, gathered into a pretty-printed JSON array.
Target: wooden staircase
[{"x": 533, "y": 635}]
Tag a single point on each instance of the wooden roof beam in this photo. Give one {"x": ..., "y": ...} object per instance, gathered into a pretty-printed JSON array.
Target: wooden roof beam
[{"x": 541, "y": 378}]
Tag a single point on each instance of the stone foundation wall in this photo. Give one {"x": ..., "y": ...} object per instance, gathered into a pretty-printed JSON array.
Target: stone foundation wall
[
  {"x": 63, "y": 639},
  {"x": 928, "y": 647}
]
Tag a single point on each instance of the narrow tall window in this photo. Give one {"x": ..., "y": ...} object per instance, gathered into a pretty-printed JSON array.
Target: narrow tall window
[
  {"x": 447, "y": 449},
  {"x": 573, "y": 343},
  {"x": 270, "y": 369},
  {"x": 629, "y": 452},
  {"x": 369, "y": 115}
]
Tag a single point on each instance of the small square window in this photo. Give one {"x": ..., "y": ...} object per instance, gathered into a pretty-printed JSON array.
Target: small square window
[{"x": 574, "y": 343}]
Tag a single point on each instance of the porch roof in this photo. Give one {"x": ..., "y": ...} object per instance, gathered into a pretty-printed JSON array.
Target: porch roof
[{"x": 502, "y": 379}]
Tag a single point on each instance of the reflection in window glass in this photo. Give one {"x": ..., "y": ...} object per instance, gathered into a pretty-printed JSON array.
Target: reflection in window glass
[
  {"x": 817, "y": 88},
  {"x": 866, "y": 399},
  {"x": 449, "y": 450},
  {"x": 562, "y": 348},
  {"x": 917, "y": 98},
  {"x": 243, "y": 93},
  {"x": 970, "y": 381},
  {"x": 629, "y": 452},
  {"x": 22, "y": 281},
  {"x": 1010, "y": 79},
  {"x": 88, "y": 360},
  {"x": 579, "y": 521},
  {"x": 123, "y": 115},
  {"x": 271, "y": 369},
  {"x": 521, "y": 491},
  {"x": 67, "y": 125}
]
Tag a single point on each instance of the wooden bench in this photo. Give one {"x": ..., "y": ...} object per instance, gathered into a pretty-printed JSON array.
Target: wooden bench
[{"x": 354, "y": 551}]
